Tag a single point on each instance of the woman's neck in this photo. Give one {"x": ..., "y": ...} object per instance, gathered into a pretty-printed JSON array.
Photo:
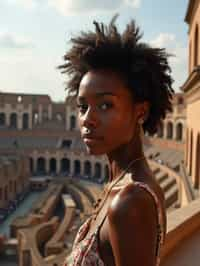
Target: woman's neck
[{"x": 121, "y": 158}]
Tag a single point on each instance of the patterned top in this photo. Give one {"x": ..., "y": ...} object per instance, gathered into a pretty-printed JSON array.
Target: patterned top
[{"x": 85, "y": 250}]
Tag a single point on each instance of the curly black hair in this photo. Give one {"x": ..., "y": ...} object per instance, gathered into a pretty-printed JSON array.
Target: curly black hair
[{"x": 145, "y": 70}]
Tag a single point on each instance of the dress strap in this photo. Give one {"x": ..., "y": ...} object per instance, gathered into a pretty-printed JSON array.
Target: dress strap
[{"x": 160, "y": 222}]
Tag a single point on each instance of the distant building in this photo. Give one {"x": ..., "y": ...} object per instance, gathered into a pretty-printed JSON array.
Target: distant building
[{"x": 191, "y": 89}]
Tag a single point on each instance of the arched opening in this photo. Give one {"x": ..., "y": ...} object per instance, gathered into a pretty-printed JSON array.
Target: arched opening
[
  {"x": 15, "y": 186},
  {"x": 10, "y": 186},
  {"x": 187, "y": 146},
  {"x": 6, "y": 193},
  {"x": 106, "y": 172},
  {"x": 77, "y": 168},
  {"x": 41, "y": 166},
  {"x": 13, "y": 120},
  {"x": 169, "y": 130},
  {"x": 31, "y": 165},
  {"x": 197, "y": 166},
  {"x": 65, "y": 166},
  {"x": 87, "y": 169},
  {"x": 59, "y": 117},
  {"x": 160, "y": 130},
  {"x": 196, "y": 46},
  {"x": 179, "y": 131},
  {"x": 66, "y": 143},
  {"x": 25, "y": 121},
  {"x": 53, "y": 166},
  {"x": 191, "y": 152},
  {"x": 97, "y": 171},
  {"x": 72, "y": 122},
  {"x": 2, "y": 119},
  {"x": 44, "y": 115}
]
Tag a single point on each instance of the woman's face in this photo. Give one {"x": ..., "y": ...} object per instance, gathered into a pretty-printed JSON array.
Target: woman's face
[{"x": 106, "y": 112}]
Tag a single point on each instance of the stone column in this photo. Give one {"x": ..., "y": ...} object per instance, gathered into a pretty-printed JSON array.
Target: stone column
[
  {"x": 30, "y": 117},
  {"x": 66, "y": 118},
  {"x": 34, "y": 164},
  {"x": 7, "y": 114},
  {"x": 40, "y": 113},
  {"x": 58, "y": 164},
  {"x": 19, "y": 120},
  {"x": 164, "y": 129},
  {"x": 50, "y": 112}
]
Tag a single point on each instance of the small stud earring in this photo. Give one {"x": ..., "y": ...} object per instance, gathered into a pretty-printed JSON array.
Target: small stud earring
[{"x": 141, "y": 121}]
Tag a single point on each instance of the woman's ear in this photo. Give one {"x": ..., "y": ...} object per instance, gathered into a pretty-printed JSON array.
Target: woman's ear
[{"x": 143, "y": 110}]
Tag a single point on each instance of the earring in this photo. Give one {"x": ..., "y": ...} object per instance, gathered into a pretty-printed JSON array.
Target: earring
[
  {"x": 140, "y": 123},
  {"x": 141, "y": 120}
]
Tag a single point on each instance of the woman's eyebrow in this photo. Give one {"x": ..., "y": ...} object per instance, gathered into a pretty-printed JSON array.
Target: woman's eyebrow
[
  {"x": 101, "y": 94},
  {"x": 98, "y": 95}
]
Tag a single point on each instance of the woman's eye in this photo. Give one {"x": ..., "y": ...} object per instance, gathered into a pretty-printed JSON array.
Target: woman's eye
[
  {"x": 82, "y": 107},
  {"x": 105, "y": 106}
]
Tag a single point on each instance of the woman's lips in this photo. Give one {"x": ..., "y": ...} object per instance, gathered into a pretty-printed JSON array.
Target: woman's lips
[{"x": 91, "y": 139}]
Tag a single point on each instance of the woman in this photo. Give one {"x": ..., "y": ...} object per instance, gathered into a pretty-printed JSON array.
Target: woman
[{"x": 121, "y": 86}]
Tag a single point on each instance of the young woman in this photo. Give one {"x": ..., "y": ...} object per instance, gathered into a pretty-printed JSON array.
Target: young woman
[{"x": 121, "y": 86}]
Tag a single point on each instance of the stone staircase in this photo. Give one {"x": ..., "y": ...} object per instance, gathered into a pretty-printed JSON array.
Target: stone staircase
[{"x": 168, "y": 185}]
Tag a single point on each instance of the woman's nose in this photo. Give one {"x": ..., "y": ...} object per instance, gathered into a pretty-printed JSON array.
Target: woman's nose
[{"x": 90, "y": 118}]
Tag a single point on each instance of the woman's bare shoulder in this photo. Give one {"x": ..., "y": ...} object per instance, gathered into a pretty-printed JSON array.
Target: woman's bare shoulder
[{"x": 130, "y": 200}]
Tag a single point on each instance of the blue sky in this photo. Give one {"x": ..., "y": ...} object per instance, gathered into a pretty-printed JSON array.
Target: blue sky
[{"x": 34, "y": 35}]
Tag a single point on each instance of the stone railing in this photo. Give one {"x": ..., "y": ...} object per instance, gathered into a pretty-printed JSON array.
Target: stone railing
[{"x": 183, "y": 236}]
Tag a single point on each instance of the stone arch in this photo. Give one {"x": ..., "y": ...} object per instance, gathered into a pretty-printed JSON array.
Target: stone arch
[
  {"x": 160, "y": 130},
  {"x": 191, "y": 152},
  {"x": 72, "y": 122},
  {"x": 97, "y": 170},
  {"x": 65, "y": 166},
  {"x": 106, "y": 173},
  {"x": 179, "y": 131},
  {"x": 2, "y": 119},
  {"x": 13, "y": 120},
  {"x": 41, "y": 165},
  {"x": 10, "y": 186},
  {"x": 196, "y": 46},
  {"x": 77, "y": 167},
  {"x": 197, "y": 165},
  {"x": 31, "y": 165},
  {"x": 15, "y": 186},
  {"x": 187, "y": 146},
  {"x": 25, "y": 121},
  {"x": 6, "y": 193},
  {"x": 169, "y": 130},
  {"x": 87, "y": 169},
  {"x": 53, "y": 166}
]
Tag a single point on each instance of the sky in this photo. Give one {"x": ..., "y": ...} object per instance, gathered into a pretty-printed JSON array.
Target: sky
[{"x": 34, "y": 35}]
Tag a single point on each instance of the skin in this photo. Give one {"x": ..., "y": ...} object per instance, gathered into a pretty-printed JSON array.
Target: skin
[{"x": 107, "y": 109}]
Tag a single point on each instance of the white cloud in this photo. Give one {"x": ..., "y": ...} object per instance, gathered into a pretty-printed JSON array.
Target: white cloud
[
  {"x": 133, "y": 3},
  {"x": 163, "y": 39},
  {"x": 68, "y": 7},
  {"x": 9, "y": 40},
  {"x": 178, "y": 61},
  {"x": 29, "y": 4}
]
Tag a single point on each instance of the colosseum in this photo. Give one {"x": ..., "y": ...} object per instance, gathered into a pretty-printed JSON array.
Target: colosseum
[{"x": 49, "y": 184}]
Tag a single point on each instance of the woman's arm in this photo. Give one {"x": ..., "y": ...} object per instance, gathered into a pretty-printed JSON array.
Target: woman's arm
[{"x": 133, "y": 220}]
